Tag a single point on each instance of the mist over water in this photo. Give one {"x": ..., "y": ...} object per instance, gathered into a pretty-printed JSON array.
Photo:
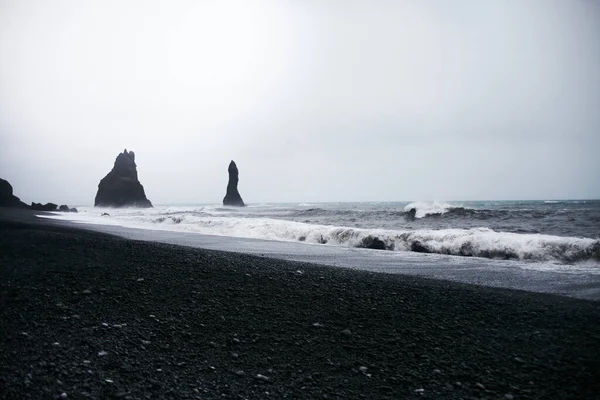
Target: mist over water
[{"x": 557, "y": 231}]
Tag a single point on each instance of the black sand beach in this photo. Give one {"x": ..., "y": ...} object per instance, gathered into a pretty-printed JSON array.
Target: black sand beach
[{"x": 87, "y": 315}]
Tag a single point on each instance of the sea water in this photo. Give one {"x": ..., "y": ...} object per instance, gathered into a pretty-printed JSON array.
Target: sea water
[{"x": 562, "y": 232}]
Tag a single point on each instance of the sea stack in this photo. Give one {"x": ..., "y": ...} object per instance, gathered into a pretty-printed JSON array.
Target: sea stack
[
  {"x": 232, "y": 197},
  {"x": 121, "y": 187},
  {"x": 7, "y": 198}
]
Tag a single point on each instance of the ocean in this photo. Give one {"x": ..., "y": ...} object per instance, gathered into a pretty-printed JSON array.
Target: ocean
[{"x": 558, "y": 232}]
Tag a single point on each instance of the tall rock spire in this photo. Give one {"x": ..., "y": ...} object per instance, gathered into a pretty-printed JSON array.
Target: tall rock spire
[{"x": 232, "y": 197}]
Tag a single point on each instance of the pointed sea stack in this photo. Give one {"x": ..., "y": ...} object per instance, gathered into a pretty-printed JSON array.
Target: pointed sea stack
[
  {"x": 7, "y": 198},
  {"x": 121, "y": 187},
  {"x": 232, "y": 197}
]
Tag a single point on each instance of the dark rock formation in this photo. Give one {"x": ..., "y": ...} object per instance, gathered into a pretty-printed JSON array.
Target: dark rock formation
[
  {"x": 232, "y": 197},
  {"x": 121, "y": 187},
  {"x": 44, "y": 207},
  {"x": 7, "y": 198}
]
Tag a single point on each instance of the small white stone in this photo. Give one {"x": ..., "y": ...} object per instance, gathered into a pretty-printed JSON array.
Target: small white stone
[
  {"x": 63, "y": 395},
  {"x": 362, "y": 369},
  {"x": 421, "y": 391},
  {"x": 509, "y": 396},
  {"x": 108, "y": 380},
  {"x": 102, "y": 353},
  {"x": 318, "y": 325},
  {"x": 140, "y": 279}
]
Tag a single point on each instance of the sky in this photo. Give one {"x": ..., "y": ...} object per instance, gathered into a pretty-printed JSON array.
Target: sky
[{"x": 315, "y": 100}]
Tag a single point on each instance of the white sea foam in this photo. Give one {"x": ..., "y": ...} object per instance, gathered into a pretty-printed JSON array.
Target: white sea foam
[{"x": 479, "y": 242}]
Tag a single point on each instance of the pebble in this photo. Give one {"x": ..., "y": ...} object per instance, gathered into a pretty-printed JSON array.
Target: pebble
[
  {"x": 240, "y": 373},
  {"x": 346, "y": 332},
  {"x": 437, "y": 371},
  {"x": 420, "y": 391},
  {"x": 102, "y": 353},
  {"x": 318, "y": 325},
  {"x": 519, "y": 360},
  {"x": 63, "y": 395},
  {"x": 108, "y": 380},
  {"x": 362, "y": 369},
  {"x": 509, "y": 396},
  {"x": 86, "y": 291},
  {"x": 480, "y": 386},
  {"x": 262, "y": 377},
  {"x": 140, "y": 279}
]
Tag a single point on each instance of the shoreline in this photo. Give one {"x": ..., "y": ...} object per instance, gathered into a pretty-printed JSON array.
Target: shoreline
[
  {"x": 179, "y": 322},
  {"x": 574, "y": 281}
]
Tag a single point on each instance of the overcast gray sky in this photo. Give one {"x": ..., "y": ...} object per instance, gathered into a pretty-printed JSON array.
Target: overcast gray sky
[{"x": 315, "y": 100}]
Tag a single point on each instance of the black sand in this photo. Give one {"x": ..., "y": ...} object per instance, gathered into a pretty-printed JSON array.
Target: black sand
[{"x": 176, "y": 322}]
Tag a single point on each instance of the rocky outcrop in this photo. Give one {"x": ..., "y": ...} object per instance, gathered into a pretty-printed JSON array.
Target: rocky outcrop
[
  {"x": 7, "y": 198},
  {"x": 65, "y": 208},
  {"x": 232, "y": 197},
  {"x": 44, "y": 207},
  {"x": 121, "y": 187},
  {"x": 51, "y": 207}
]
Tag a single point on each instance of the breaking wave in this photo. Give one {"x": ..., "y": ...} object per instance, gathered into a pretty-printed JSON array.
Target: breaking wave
[
  {"x": 474, "y": 242},
  {"x": 422, "y": 209}
]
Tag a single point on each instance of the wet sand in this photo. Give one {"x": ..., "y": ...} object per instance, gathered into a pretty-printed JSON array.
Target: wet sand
[{"x": 95, "y": 316}]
